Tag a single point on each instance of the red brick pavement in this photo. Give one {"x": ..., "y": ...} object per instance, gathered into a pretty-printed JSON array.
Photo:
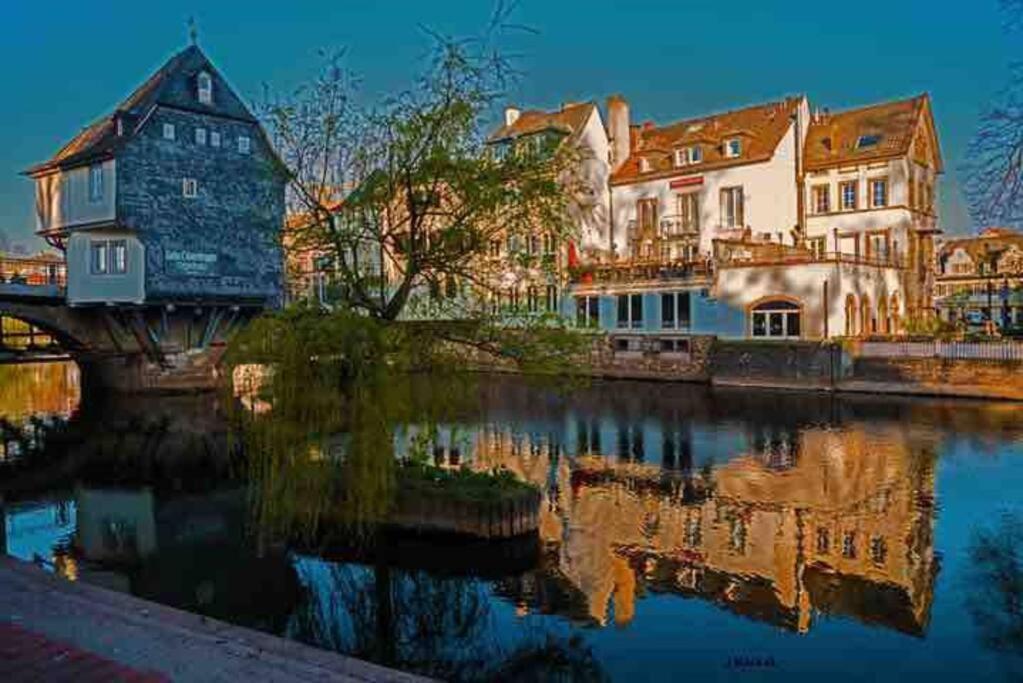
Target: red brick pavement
[{"x": 28, "y": 656}]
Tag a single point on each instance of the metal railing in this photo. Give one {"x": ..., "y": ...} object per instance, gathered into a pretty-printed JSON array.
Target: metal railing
[
  {"x": 678, "y": 226},
  {"x": 34, "y": 272},
  {"x": 946, "y": 350},
  {"x": 729, "y": 253}
]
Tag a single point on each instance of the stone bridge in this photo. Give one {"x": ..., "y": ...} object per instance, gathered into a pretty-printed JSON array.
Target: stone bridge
[{"x": 121, "y": 348}]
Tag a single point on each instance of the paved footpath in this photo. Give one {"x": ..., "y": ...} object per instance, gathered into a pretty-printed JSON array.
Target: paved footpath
[{"x": 53, "y": 629}]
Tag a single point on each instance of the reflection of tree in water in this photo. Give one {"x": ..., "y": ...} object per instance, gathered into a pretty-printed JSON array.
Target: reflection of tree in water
[
  {"x": 995, "y": 586},
  {"x": 440, "y": 626}
]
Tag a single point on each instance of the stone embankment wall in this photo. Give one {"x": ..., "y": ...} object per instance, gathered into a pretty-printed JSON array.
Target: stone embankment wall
[
  {"x": 805, "y": 365},
  {"x": 502, "y": 518}
]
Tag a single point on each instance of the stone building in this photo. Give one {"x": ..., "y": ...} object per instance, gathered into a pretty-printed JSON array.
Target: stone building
[{"x": 175, "y": 197}]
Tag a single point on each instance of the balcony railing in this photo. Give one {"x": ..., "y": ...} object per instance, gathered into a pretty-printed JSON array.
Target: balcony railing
[
  {"x": 667, "y": 227},
  {"x": 734, "y": 253},
  {"x": 33, "y": 272},
  {"x": 678, "y": 226}
]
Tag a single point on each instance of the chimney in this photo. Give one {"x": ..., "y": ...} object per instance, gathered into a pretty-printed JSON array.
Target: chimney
[
  {"x": 511, "y": 115},
  {"x": 618, "y": 130}
]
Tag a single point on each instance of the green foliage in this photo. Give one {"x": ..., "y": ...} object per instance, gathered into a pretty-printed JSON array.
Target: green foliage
[{"x": 462, "y": 484}]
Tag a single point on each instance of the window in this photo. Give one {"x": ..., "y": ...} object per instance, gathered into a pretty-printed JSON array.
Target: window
[
  {"x": 495, "y": 248},
  {"x": 731, "y": 207},
  {"x": 587, "y": 311},
  {"x": 533, "y": 245},
  {"x": 644, "y": 165},
  {"x": 823, "y": 541},
  {"x": 100, "y": 258},
  {"x": 214, "y": 139},
  {"x": 190, "y": 188},
  {"x": 821, "y": 199},
  {"x": 733, "y": 148},
  {"x": 878, "y": 550},
  {"x": 865, "y": 141},
  {"x": 675, "y": 309},
  {"x": 532, "y": 300},
  {"x": 689, "y": 211},
  {"x": 630, "y": 310},
  {"x": 551, "y": 298},
  {"x": 878, "y": 192},
  {"x": 200, "y": 136},
  {"x": 548, "y": 243},
  {"x": 119, "y": 257},
  {"x": 818, "y": 246},
  {"x": 204, "y": 88},
  {"x": 847, "y": 191},
  {"x": 96, "y": 183},
  {"x": 688, "y": 155},
  {"x": 778, "y": 318},
  {"x": 244, "y": 145},
  {"x": 849, "y": 545},
  {"x": 168, "y": 131}
]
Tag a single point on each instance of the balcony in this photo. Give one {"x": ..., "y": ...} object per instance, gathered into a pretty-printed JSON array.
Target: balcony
[
  {"x": 678, "y": 226},
  {"x": 741, "y": 253}
]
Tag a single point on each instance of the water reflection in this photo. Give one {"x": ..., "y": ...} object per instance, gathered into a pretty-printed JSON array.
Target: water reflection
[{"x": 787, "y": 511}]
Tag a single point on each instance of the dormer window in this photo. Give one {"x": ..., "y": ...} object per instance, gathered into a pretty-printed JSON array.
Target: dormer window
[
  {"x": 244, "y": 145},
  {"x": 688, "y": 155},
  {"x": 168, "y": 131},
  {"x": 204, "y": 88},
  {"x": 644, "y": 165},
  {"x": 733, "y": 148},
  {"x": 866, "y": 141}
]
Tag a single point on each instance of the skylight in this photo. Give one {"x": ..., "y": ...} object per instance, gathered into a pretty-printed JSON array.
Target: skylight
[{"x": 868, "y": 141}]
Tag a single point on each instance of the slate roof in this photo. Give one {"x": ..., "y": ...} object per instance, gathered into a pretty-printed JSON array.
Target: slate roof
[
  {"x": 173, "y": 85},
  {"x": 988, "y": 245},
  {"x": 833, "y": 139},
  {"x": 569, "y": 119},
  {"x": 760, "y": 127}
]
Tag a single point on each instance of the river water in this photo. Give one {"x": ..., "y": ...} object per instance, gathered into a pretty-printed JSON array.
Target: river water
[{"x": 684, "y": 532}]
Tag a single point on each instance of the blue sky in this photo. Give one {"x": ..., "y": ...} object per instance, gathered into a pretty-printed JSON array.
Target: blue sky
[{"x": 68, "y": 63}]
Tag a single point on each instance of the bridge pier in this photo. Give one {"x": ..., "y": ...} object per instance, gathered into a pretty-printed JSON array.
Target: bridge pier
[{"x": 193, "y": 371}]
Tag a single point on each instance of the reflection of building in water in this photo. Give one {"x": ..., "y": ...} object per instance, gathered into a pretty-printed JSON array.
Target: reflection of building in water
[{"x": 812, "y": 519}]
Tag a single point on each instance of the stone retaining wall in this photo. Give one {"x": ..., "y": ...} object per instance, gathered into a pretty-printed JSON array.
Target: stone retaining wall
[{"x": 483, "y": 518}]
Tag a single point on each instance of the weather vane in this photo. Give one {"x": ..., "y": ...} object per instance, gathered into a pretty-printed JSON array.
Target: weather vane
[{"x": 193, "y": 32}]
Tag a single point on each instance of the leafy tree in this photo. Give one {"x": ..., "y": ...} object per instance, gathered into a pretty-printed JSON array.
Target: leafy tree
[{"x": 405, "y": 196}]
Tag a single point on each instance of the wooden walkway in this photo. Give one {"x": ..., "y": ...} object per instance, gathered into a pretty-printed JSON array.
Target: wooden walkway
[{"x": 53, "y": 629}]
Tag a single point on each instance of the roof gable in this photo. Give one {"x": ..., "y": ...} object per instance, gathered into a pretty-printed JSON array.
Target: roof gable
[
  {"x": 172, "y": 85},
  {"x": 891, "y": 127}
]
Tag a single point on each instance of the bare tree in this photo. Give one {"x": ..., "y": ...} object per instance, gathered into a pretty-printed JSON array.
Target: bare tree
[{"x": 994, "y": 172}]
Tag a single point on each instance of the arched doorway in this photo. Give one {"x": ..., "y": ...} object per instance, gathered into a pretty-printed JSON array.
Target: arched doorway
[{"x": 882, "y": 316}]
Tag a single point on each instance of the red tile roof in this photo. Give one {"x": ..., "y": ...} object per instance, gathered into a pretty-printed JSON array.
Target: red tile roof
[
  {"x": 760, "y": 128},
  {"x": 834, "y": 138},
  {"x": 571, "y": 119}
]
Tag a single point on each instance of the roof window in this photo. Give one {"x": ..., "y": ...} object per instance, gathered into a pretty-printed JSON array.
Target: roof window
[{"x": 866, "y": 141}]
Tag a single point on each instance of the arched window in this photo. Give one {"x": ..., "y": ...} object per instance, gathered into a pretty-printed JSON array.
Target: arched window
[
  {"x": 882, "y": 316},
  {"x": 850, "y": 316},
  {"x": 894, "y": 326},
  {"x": 776, "y": 318},
  {"x": 204, "y": 88},
  {"x": 866, "y": 316}
]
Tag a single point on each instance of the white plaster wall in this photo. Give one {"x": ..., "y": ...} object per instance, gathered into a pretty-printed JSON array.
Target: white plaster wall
[
  {"x": 738, "y": 288},
  {"x": 896, "y": 216},
  {"x": 769, "y": 197},
  {"x": 62, "y": 198},
  {"x": 83, "y": 287}
]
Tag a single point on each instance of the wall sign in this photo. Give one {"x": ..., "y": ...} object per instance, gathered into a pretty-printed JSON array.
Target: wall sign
[
  {"x": 190, "y": 263},
  {"x": 686, "y": 182}
]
